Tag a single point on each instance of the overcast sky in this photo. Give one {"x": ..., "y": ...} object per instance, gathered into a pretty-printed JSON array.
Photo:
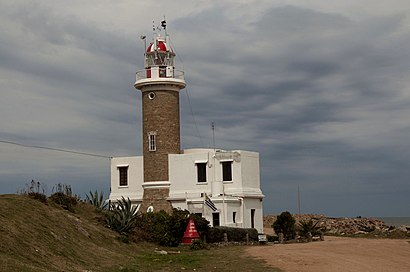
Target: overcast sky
[{"x": 320, "y": 88}]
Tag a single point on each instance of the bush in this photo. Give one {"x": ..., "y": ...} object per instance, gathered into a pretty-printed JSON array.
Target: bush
[
  {"x": 216, "y": 234},
  {"x": 197, "y": 245},
  {"x": 285, "y": 223},
  {"x": 122, "y": 216},
  {"x": 167, "y": 229},
  {"x": 163, "y": 228},
  {"x": 272, "y": 238},
  {"x": 35, "y": 190},
  {"x": 65, "y": 201}
]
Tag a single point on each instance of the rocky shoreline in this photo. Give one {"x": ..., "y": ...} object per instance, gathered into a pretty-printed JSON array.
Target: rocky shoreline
[{"x": 347, "y": 226}]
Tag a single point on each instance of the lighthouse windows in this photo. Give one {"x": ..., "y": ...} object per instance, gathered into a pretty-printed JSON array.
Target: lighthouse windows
[{"x": 152, "y": 144}]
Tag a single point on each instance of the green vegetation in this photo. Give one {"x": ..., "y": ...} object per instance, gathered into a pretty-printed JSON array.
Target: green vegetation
[
  {"x": 167, "y": 229},
  {"x": 306, "y": 227},
  {"x": 97, "y": 200},
  {"x": 285, "y": 223},
  {"x": 122, "y": 217},
  {"x": 39, "y": 237}
]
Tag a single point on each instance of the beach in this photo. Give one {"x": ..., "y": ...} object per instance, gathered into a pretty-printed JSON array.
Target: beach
[{"x": 337, "y": 254}]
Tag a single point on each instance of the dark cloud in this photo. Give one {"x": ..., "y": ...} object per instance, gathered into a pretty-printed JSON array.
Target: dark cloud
[{"x": 323, "y": 97}]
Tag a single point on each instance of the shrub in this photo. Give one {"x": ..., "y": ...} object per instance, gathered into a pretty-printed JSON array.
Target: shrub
[
  {"x": 308, "y": 226},
  {"x": 122, "y": 216},
  {"x": 272, "y": 238},
  {"x": 216, "y": 234},
  {"x": 163, "y": 228},
  {"x": 97, "y": 200},
  {"x": 285, "y": 223},
  {"x": 35, "y": 190},
  {"x": 167, "y": 229},
  {"x": 197, "y": 245},
  {"x": 65, "y": 201}
]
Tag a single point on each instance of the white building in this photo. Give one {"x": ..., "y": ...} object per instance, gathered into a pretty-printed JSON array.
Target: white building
[{"x": 222, "y": 186}]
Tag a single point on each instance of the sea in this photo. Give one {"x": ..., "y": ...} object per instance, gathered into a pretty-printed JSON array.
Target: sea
[{"x": 395, "y": 221}]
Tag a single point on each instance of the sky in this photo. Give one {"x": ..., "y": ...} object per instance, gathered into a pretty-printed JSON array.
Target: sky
[{"x": 320, "y": 88}]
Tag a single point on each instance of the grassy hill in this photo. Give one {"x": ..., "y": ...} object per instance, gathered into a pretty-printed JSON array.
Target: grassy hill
[{"x": 42, "y": 237}]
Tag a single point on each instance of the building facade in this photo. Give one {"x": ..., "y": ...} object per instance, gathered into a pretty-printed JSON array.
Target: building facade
[{"x": 222, "y": 186}]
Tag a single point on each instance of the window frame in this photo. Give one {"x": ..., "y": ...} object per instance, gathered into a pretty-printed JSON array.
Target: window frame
[
  {"x": 123, "y": 175},
  {"x": 201, "y": 173},
  {"x": 152, "y": 141},
  {"x": 227, "y": 176}
]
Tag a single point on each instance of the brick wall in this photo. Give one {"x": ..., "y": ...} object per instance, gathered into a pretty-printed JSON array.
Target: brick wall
[
  {"x": 161, "y": 115},
  {"x": 157, "y": 199}
]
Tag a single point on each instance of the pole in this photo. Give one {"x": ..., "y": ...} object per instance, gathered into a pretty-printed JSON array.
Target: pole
[
  {"x": 213, "y": 134},
  {"x": 298, "y": 199}
]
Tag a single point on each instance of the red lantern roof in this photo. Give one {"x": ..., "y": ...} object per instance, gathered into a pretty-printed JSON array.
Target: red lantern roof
[{"x": 161, "y": 46}]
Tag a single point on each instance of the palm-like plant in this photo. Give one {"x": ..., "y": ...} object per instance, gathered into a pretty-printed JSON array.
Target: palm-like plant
[
  {"x": 97, "y": 200},
  {"x": 122, "y": 216},
  {"x": 309, "y": 226}
]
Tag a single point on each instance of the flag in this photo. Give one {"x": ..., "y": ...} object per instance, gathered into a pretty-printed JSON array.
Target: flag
[{"x": 208, "y": 202}]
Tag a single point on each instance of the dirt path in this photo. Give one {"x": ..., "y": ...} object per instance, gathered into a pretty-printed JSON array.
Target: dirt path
[{"x": 338, "y": 254}]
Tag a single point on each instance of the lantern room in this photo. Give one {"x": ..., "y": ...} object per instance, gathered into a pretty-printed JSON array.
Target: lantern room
[{"x": 159, "y": 59}]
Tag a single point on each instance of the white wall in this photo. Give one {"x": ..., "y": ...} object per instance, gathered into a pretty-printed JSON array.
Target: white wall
[
  {"x": 135, "y": 179},
  {"x": 241, "y": 194}
]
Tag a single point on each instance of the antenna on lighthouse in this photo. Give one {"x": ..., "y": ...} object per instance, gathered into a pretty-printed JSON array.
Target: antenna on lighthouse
[
  {"x": 164, "y": 24},
  {"x": 143, "y": 37}
]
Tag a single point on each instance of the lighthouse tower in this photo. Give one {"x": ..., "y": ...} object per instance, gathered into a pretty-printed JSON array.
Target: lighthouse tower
[{"x": 159, "y": 84}]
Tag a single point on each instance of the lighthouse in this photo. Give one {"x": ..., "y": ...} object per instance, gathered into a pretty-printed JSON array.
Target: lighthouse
[
  {"x": 160, "y": 83},
  {"x": 223, "y": 186}
]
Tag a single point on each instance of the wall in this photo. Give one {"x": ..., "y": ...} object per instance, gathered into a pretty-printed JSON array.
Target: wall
[{"x": 135, "y": 178}]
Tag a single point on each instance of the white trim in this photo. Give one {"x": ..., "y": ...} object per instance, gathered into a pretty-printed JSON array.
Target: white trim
[
  {"x": 122, "y": 165},
  {"x": 156, "y": 184},
  {"x": 225, "y": 160},
  {"x": 200, "y": 161}
]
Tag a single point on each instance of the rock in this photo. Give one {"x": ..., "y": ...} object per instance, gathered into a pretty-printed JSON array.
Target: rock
[{"x": 338, "y": 226}]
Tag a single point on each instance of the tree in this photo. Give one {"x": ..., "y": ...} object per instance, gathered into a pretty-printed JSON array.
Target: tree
[{"x": 285, "y": 223}]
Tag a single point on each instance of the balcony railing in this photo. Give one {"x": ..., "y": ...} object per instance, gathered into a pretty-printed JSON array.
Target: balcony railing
[{"x": 159, "y": 72}]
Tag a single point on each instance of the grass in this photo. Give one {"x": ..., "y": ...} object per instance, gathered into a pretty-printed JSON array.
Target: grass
[{"x": 39, "y": 237}]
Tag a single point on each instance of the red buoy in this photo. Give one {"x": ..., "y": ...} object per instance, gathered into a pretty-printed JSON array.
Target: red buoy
[{"x": 190, "y": 233}]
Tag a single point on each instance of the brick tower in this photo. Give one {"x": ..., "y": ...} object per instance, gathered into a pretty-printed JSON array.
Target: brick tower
[{"x": 160, "y": 84}]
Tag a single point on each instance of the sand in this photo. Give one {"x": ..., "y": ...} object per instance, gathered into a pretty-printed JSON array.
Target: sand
[{"x": 338, "y": 254}]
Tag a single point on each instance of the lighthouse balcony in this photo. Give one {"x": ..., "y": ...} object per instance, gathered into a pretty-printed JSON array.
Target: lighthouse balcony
[{"x": 155, "y": 75}]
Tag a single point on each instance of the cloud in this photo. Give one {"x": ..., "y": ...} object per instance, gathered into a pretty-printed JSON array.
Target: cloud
[{"x": 320, "y": 90}]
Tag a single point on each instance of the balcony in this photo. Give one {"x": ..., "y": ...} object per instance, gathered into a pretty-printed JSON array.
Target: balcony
[{"x": 159, "y": 75}]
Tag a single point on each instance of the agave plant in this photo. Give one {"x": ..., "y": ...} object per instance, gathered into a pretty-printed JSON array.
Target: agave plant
[
  {"x": 122, "y": 216},
  {"x": 309, "y": 226},
  {"x": 97, "y": 200}
]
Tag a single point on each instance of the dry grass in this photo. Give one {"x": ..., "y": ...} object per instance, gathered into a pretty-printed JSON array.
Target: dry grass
[{"x": 39, "y": 237}]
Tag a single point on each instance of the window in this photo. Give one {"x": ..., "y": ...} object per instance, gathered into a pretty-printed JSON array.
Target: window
[
  {"x": 234, "y": 217},
  {"x": 123, "y": 170},
  {"x": 215, "y": 219},
  {"x": 152, "y": 145},
  {"x": 199, "y": 214},
  {"x": 201, "y": 171},
  {"x": 227, "y": 171},
  {"x": 252, "y": 218}
]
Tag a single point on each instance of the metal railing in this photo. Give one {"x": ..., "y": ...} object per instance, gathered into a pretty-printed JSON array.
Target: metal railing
[{"x": 158, "y": 73}]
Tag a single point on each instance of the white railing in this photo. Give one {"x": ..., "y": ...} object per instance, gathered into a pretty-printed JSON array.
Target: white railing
[{"x": 157, "y": 73}]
